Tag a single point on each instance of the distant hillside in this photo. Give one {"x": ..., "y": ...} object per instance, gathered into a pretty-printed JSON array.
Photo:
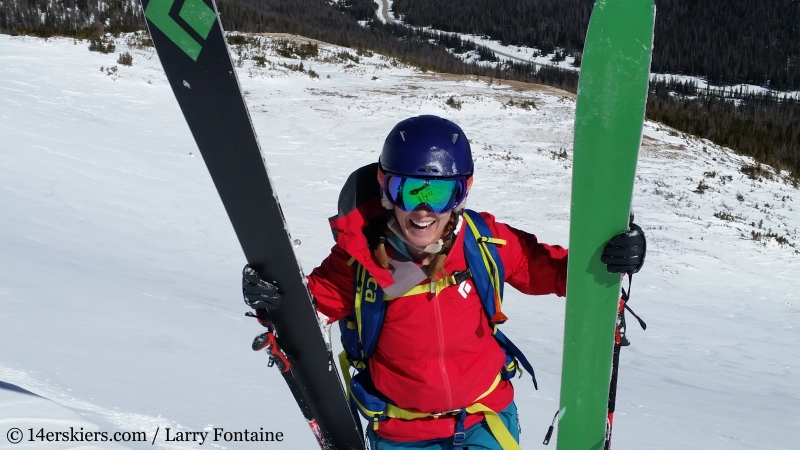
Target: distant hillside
[
  {"x": 728, "y": 42},
  {"x": 325, "y": 21},
  {"x": 762, "y": 127}
]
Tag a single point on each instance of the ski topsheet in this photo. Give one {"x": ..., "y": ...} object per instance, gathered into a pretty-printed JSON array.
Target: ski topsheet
[
  {"x": 191, "y": 45},
  {"x": 609, "y": 116}
]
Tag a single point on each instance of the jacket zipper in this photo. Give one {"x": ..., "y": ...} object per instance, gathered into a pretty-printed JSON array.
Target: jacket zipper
[{"x": 442, "y": 367}]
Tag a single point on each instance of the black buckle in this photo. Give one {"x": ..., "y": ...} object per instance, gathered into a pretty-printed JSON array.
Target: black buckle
[{"x": 462, "y": 276}]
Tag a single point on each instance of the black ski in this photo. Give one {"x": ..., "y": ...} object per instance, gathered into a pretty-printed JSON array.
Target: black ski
[{"x": 191, "y": 45}]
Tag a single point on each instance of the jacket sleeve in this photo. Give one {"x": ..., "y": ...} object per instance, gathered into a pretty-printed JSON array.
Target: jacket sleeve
[
  {"x": 530, "y": 266},
  {"x": 331, "y": 284}
]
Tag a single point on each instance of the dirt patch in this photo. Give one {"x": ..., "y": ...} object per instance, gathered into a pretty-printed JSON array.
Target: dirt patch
[
  {"x": 296, "y": 39},
  {"x": 384, "y": 91},
  {"x": 515, "y": 85},
  {"x": 659, "y": 149}
]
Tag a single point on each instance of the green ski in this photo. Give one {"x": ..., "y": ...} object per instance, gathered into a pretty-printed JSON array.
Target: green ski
[{"x": 608, "y": 131}]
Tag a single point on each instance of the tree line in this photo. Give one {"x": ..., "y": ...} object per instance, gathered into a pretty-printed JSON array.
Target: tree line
[
  {"x": 727, "y": 42},
  {"x": 78, "y": 18},
  {"x": 761, "y": 125}
]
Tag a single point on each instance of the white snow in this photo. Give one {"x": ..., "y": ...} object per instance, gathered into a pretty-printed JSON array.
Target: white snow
[
  {"x": 379, "y": 12},
  {"x": 120, "y": 305},
  {"x": 703, "y": 84}
]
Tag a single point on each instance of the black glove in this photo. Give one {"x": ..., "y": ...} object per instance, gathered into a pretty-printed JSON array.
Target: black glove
[
  {"x": 259, "y": 294},
  {"x": 625, "y": 252}
]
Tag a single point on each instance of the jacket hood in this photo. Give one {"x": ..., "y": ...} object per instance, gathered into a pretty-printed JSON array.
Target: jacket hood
[{"x": 361, "y": 221}]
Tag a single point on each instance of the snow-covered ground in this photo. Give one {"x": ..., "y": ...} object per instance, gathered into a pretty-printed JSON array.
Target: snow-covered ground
[{"x": 120, "y": 304}]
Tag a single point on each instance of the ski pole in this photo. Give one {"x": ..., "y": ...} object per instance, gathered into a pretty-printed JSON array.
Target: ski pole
[
  {"x": 620, "y": 340},
  {"x": 268, "y": 342}
]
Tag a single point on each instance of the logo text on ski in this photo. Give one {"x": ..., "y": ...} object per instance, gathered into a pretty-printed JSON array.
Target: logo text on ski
[{"x": 195, "y": 13}]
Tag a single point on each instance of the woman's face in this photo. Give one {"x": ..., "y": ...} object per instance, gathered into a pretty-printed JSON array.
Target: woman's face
[{"x": 422, "y": 227}]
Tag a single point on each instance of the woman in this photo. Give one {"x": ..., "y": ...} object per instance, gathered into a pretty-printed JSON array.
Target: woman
[{"x": 436, "y": 354}]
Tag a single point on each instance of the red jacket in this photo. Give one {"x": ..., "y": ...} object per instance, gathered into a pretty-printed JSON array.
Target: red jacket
[{"x": 436, "y": 353}]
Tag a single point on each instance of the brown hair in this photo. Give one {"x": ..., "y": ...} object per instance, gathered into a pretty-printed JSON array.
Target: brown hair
[{"x": 436, "y": 267}]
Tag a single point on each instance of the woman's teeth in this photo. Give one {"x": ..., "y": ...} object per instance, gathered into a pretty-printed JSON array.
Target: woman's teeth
[{"x": 422, "y": 224}]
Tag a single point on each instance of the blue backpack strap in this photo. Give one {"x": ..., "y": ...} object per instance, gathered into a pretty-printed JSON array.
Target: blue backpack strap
[
  {"x": 516, "y": 353},
  {"x": 370, "y": 314},
  {"x": 483, "y": 259},
  {"x": 348, "y": 326},
  {"x": 485, "y": 263},
  {"x": 361, "y": 328}
]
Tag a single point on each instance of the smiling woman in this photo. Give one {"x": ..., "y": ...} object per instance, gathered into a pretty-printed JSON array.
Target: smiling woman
[
  {"x": 425, "y": 172},
  {"x": 416, "y": 282}
]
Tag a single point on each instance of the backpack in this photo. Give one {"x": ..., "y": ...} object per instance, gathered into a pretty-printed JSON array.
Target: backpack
[{"x": 360, "y": 330}]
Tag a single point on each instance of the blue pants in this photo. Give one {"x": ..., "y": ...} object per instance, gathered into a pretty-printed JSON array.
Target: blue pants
[{"x": 478, "y": 436}]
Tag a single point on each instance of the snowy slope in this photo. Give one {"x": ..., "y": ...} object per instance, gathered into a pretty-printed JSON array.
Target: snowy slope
[{"x": 120, "y": 305}]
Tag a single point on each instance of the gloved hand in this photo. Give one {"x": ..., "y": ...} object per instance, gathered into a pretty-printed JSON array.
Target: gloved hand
[
  {"x": 625, "y": 252},
  {"x": 259, "y": 294}
]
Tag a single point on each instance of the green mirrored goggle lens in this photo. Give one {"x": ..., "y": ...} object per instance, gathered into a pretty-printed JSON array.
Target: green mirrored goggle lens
[{"x": 409, "y": 193}]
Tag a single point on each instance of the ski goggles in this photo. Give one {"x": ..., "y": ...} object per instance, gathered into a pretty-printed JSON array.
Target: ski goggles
[{"x": 438, "y": 194}]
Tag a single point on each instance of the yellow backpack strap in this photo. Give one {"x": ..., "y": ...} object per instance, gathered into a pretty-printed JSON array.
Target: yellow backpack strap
[
  {"x": 418, "y": 289},
  {"x": 345, "y": 365},
  {"x": 496, "y": 426},
  {"x": 435, "y": 287},
  {"x": 490, "y": 265},
  {"x": 399, "y": 413},
  {"x": 375, "y": 415},
  {"x": 361, "y": 272},
  {"x": 492, "y": 240}
]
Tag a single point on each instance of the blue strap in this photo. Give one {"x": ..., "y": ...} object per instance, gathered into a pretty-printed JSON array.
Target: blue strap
[
  {"x": 480, "y": 275},
  {"x": 517, "y": 353},
  {"x": 460, "y": 435}
]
